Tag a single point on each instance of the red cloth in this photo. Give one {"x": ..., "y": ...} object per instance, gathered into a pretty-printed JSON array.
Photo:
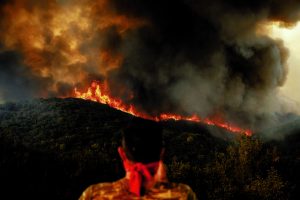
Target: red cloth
[{"x": 140, "y": 175}]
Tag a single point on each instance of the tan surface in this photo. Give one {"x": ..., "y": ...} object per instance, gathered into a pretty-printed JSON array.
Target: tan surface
[{"x": 119, "y": 190}]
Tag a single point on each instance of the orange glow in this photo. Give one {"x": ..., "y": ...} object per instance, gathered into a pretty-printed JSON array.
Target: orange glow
[
  {"x": 109, "y": 61},
  {"x": 63, "y": 41},
  {"x": 99, "y": 92}
]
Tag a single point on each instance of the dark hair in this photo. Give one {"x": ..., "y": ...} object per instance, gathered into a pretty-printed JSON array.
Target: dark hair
[{"x": 142, "y": 140}]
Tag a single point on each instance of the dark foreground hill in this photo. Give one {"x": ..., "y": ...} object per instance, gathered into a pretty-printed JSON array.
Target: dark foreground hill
[{"x": 55, "y": 148}]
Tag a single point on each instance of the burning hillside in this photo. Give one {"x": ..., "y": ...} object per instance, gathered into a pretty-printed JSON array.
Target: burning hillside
[
  {"x": 208, "y": 61},
  {"x": 75, "y": 141},
  {"x": 100, "y": 93}
]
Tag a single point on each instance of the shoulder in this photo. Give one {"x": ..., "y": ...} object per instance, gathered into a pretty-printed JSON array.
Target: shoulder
[
  {"x": 102, "y": 189},
  {"x": 174, "y": 191},
  {"x": 92, "y": 191},
  {"x": 190, "y": 193},
  {"x": 119, "y": 190}
]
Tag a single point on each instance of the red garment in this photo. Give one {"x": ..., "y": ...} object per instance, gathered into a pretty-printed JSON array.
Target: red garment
[{"x": 140, "y": 175}]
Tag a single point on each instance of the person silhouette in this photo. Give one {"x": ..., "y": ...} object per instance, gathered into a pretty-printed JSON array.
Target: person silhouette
[{"x": 141, "y": 152}]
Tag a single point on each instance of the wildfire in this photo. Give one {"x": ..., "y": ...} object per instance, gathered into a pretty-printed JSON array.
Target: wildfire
[
  {"x": 65, "y": 41},
  {"x": 68, "y": 42},
  {"x": 100, "y": 93}
]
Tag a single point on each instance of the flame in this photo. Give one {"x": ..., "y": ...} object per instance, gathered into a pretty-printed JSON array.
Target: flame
[
  {"x": 65, "y": 41},
  {"x": 99, "y": 92}
]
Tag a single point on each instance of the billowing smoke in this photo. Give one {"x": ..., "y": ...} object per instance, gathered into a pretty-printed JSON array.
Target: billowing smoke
[{"x": 206, "y": 57}]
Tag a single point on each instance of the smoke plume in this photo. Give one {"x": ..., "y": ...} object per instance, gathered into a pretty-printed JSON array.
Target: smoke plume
[{"x": 205, "y": 57}]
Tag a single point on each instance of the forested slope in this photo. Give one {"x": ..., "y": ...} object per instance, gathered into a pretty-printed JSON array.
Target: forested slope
[{"x": 55, "y": 148}]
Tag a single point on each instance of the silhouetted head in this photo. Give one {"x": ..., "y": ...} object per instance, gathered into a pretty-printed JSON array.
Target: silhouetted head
[{"x": 142, "y": 141}]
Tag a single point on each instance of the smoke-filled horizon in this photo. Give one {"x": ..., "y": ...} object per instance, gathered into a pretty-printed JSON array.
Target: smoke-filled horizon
[{"x": 182, "y": 56}]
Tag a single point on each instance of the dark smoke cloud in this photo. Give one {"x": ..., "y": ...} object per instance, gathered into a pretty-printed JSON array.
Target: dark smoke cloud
[
  {"x": 181, "y": 56},
  {"x": 44, "y": 64},
  {"x": 206, "y": 57},
  {"x": 17, "y": 82}
]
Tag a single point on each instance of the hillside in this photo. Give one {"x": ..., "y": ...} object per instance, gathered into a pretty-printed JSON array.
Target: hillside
[{"x": 55, "y": 148}]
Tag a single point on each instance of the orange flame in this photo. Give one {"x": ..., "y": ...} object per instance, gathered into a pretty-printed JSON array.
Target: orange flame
[
  {"x": 57, "y": 39},
  {"x": 100, "y": 93}
]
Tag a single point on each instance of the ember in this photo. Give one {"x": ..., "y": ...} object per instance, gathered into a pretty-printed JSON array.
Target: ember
[{"x": 99, "y": 92}]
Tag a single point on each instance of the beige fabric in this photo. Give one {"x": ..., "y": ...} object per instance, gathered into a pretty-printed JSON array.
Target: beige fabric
[{"x": 119, "y": 191}]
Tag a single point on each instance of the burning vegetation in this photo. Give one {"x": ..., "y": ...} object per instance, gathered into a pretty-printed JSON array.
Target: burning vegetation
[
  {"x": 100, "y": 93},
  {"x": 209, "y": 61}
]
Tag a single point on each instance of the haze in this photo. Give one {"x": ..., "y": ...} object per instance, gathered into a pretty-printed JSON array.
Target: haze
[{"x": 291, "y": 38}]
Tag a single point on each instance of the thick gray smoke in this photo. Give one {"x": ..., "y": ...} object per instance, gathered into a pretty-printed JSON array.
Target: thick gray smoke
[
  {"x": 16, "y": 82},
  {"x": 182, "y": 56},
  {"x": 206, "y": 57}
]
